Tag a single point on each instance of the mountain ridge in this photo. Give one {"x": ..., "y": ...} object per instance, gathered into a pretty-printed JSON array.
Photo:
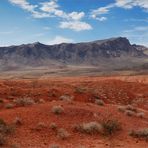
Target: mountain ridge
[{"x": 113, "y": 53}]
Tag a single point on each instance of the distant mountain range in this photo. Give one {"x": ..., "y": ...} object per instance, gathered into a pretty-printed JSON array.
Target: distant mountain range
[{"x": 109, "y": 54}]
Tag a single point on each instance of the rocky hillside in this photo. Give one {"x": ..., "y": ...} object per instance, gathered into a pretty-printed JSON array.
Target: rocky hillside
[{"x": 114, "y": 53}]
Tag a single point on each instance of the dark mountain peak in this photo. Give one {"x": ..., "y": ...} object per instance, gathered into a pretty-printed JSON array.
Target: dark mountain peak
[{"x": 115, "y": 40}]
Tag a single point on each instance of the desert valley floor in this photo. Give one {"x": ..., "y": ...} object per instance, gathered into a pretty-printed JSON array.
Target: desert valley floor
[{"x": 74, "y": 112}]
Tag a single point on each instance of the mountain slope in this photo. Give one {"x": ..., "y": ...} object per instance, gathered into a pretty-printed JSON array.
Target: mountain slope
[{"x": 112, "y": 54}]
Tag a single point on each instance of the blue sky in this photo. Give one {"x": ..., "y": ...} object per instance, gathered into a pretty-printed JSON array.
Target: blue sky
[{"x": 56, "y": 21}]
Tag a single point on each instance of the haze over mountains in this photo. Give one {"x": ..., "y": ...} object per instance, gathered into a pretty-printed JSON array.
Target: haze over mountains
[{"x": 110, "y": 54}]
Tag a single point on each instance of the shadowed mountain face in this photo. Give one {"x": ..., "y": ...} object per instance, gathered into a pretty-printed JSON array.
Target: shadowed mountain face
[{"x": 114, "y": 53}]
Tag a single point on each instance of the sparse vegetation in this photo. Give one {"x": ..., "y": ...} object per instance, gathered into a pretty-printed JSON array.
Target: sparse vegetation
[
  {"x": 66, "y": 98},
  {"x": 110, "y": 126},
  {"x": 54, "y": 146},
  {"x": 53, "y": 126},
  {"x": 80, "y": 90},
  {"x": 18, "y": 121},
  {"x": 40, "y": 126},
  {"x": 140, "y": 115},
  {"x": 62, "y": 134},
  {"x": 57, "y": 110},
  {"x": 5, "y": 130},
  {"x": 9, "y": 106},
  {"x": 141, "y": 133},
  {"x": 2, "y": 140},
  {"x": 24, "y": 101},
  {"x": 99, "y": 102},
  {"x": 89, "y": 128},
  {"x": 129, "y": 113}
]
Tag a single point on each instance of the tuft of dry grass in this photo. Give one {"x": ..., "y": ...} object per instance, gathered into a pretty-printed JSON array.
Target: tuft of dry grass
[
  {"x": 9, "y": 106},
  {"x": 62, "y": 134},
  {"x": 141, "y": 133},
  {"x": 53, "y": 126},
  {"x": 18, "y": 121},
  {"x": 99, "y": 102},
  {"x": 54, "y": 146},
  {"x": 140, "y": 115},
  {"x": 57, "y": 110},
  {"x": 110, "y": 126},
  {"x": 24, "y": 101},
  {"x": 89, "y": 128}
]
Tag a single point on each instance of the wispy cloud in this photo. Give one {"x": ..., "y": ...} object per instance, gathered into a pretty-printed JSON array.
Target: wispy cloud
[
  {"x": 75, "y": 25},
  {"x": 6, "y": 32},
  {"x": 50, "y": 9},
  {"x": 24, "y": 5},
  {"x": 138, "y": 34},
  {"x": 60, "y": 39},
  {"x": 125, "y": 4}
]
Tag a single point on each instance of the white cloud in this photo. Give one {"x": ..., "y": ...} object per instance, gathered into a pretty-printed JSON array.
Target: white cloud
[
  {"x": 24, "y": 5},
  {"x": 128, "y": 4},
  {"x": 48, "y": 9},
  {"x": 138, "y": 34},
  {"x": 60, "y": 39},
  {"x": 101, "y": 19},
  {"x": 75, "y": 25},
  {"x": 125, "y": 4}
]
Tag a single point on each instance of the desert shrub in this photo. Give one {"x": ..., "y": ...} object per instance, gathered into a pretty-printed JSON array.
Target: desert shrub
[
  {"x": 40, "y": 126},
  {"x": 110, "y": 126},
  {"x": 66, "y": 98},
  {"x": 57, "y": 110},
  {"x": 5, "y": 130},
  {"x": 54, "y": 146},
  {"x": 131, "y": 108},
  {"x": 99, "y": 102},
  {"x": 41, "y": 101},
  {"x": 53, "y": 126},
  {"x": 141, "y": 133},
  {"x": 9, "y": 106},
  {"x": 80, "y": 90},
  {"x": 62, "y": 134},
  {"x": 24, "y": 101},
  {"x": 122, "y": 108},
  {"x": 140, "y": 115},
  {"x": 18, "y": 121},
  {"x": 2, "y": 140},
  {"x": 89, "y": 128},
  {"x": 129, "y": 113}
]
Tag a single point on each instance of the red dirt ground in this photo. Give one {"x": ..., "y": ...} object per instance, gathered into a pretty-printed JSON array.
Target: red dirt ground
[{"x": 114, "y": 91}]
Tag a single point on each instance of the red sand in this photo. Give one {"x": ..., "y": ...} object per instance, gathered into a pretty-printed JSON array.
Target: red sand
[{"x": 114, "y": 91}]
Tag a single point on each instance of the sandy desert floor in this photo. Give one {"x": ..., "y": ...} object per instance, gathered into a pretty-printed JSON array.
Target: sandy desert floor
[{"x": 51, "y": 108}]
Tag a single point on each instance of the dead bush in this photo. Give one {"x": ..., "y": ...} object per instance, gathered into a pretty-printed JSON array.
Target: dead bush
[
  {"x": 53, "y": 126},
  {"x": 57, "y": 110},
  {"x": 110, "y": 126},
  {"x": 99, "y": 102},
  {"x": 24, "y": 101},
  {"x": 129, "y": 113},
  {"x": 62, "y": 134},
  {"x": 89, "y": 128},
  {"x": 140, "y": 115},
  {"x": 2, "y": 140},
  {"x": 54, "y": 146},
  {"x": 9, "y": 106},
  {"x": 18, "y": 121},
  {"x": 66, "y": 98},
  {"x": 141, "y": 133}
]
